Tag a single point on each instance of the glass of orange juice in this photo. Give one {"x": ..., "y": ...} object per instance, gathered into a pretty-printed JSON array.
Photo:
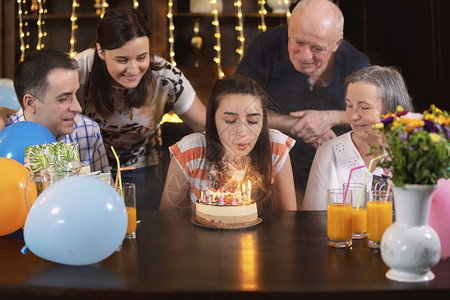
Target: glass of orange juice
[
  {"x": 379, "y": 216},
  {"x": 129, "y": 197},
  {"x": 339, "y": 218},
  {"x": 359, "y": 212}
]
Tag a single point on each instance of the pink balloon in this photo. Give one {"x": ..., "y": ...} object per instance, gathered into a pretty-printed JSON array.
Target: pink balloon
[{"x": 439, "y": 215}]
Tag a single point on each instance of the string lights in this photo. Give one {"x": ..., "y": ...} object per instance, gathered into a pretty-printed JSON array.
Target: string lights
[
  {"x": 73, "y": 19},
  {"x": 170, "y": 117},
  {"x": 288, "y": 13},
  {"x": 217, "y": 47},
  {"x": 39, "y": 23},
  {"x": 262, "y": 12},
  {"x": 21, "y": 34},
  {"x": 171, "y": 36},
  {"x": 240, "y": 30},
  {"x": 104, "y": 6}
]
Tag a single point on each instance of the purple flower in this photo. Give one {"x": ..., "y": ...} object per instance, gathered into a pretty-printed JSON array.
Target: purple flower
[
  {"x": 438, "y": 127},
  {"x": 404, "y": 136},
  {"x": 387, "y": 120},
  {"x": 447, "y": 132},
  {"x": 429, "y": 126}
]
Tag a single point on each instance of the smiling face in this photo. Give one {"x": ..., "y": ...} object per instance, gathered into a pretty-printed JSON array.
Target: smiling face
[
  {"x": 127, "y": 64},
  {"x": 60, "y": 105},
  {"x": 364, "y": 107},
  {"x": 239, "y": 120},
  {"x": 311, "y": 42}
]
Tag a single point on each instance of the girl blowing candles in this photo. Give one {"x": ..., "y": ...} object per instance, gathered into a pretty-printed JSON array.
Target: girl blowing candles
[{"x": 237, "y": 141}]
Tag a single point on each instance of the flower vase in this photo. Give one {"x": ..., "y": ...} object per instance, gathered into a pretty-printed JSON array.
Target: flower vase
[{"x": 410, "y": 247}]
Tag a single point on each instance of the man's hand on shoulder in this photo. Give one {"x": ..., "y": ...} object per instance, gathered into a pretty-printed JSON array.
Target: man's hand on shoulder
[
  {"x": 314, "y": 126},
  {"x": 4, "y": 114}
]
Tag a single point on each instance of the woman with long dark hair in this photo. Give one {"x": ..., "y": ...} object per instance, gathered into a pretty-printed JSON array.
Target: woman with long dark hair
[
  {"x": 237, "y": 146},
  {"x": 127, "y": 89}
]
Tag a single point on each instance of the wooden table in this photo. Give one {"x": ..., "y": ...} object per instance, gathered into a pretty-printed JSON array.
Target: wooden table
[{"x": 286, "y": 256}]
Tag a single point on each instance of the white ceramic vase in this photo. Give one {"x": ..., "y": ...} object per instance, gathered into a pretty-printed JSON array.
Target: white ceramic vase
[{"x": 409, "y": 246}]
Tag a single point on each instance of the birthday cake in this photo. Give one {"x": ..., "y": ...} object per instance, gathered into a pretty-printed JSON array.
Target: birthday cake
[{"x": 226, "y": 209}]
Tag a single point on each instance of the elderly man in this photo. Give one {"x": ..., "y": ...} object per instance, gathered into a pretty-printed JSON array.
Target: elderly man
[
  {"x": 302, "y": 66},
  {"x": 46, "y": 83}
]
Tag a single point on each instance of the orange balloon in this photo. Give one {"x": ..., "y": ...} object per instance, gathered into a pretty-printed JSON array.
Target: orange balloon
[{"x": 13, "y": 209}]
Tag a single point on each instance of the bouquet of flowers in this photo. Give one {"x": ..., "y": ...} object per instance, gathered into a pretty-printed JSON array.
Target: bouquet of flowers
[{"x": 417, "y": 145}]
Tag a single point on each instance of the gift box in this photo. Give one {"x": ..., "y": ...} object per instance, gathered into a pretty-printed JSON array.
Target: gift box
[{"x": 40, "y": 157}]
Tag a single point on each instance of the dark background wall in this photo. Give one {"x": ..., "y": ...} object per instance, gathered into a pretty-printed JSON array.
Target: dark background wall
[{"x": 412, "y": 35}]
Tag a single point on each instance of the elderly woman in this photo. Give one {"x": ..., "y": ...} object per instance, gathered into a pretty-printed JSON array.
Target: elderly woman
[{"x": 371, "y": 92}]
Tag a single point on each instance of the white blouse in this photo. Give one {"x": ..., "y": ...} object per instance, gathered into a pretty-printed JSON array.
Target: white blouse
[{"x": 331, "y": 168}]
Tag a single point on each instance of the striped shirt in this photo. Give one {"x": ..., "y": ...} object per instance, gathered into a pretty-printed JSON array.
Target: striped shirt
[
  {"x": 86, "y": 133},
  {"x": 190, "y": 154}
]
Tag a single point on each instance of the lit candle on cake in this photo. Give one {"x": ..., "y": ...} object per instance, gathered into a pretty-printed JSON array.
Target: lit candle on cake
[
  {"x": 201, "y": 197},
  {"x": 243, "y": 190},
  {"x": 249, "y": 191},
  {"x": 221, "y": 199}
]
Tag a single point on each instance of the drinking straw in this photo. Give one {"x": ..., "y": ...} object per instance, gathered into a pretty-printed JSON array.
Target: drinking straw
[
  {"x": 367, "y": 175},
  {"x": 348, "y": 182},
  {"x": 118, "y": 171},
  {"x": 118, "y": 175},
  {"x": 387, "y": 193}
]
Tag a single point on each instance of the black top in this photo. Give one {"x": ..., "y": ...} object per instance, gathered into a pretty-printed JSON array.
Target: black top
[{"x": 267, "y": 61}]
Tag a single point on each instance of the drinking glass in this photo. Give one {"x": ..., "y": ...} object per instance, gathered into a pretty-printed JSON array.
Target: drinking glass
[
  {"x": 379, "y": 216},
  {"x": 129, "y": 197},
  {"x": 359, "y": 212},
  {"x": 339, "y": 218}
]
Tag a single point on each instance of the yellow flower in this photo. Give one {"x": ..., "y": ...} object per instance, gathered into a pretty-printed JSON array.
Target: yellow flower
[
  {"x": 378, "y": 126},
  {"x": 399, "y": 108},
  {"x": 389, "y": 115},
  {"x": 435, "y": 137},
  {"x": 435, "y": 109},
  {"x": 410, "y": 123},
  {"x": 444, "y": 120},
  {"x": 395, "y": 124}
]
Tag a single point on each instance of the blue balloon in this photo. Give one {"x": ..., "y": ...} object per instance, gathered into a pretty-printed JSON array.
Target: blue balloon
[
  {"x": 17, "y": 136},
  {"x": 78, "y": 220},
  {"x": 8, "y": 97}
]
